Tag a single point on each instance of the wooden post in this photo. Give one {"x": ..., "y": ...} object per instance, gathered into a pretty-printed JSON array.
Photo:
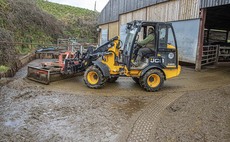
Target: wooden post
[{"x": 200, "y": 39}]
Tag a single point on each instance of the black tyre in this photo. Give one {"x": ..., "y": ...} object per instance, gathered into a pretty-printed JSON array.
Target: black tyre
[
  {"x": 136, "y": 80},
  {"x": 112, "y": 79},
  {"x": 94, "y": 78},
  {"x": 152, "y": 80}
]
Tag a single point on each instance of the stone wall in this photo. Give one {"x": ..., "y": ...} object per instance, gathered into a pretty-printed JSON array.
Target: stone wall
[{"x": 19, "y": 64}]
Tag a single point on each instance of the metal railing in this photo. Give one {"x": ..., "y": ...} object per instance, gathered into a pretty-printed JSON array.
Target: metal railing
[{"x": 210, "y": 54}]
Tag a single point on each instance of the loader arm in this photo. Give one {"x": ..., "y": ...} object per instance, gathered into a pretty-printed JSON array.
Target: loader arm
[{"x": 70, "y": 66}]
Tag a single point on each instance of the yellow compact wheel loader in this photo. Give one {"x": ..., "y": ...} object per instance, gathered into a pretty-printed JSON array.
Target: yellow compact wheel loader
[
  {"x": 115, "y": 59},
  {"x": 156, "y": 66}
]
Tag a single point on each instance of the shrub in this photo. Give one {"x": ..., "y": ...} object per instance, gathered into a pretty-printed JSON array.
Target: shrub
[{"x": 3, "y": 69}]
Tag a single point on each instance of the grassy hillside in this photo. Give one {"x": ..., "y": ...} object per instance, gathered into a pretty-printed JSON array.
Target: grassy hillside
[
  {"x": 38, "y": 21},
  {"x": 61, "y": 11},
  {"x": 22, "y": 21},
  {"x": 78, "y": 22},
  {"x": 27, "y": 23}
]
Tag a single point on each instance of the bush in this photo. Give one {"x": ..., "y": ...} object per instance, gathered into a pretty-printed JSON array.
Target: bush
[
  {"x": 3, "y": 69},
  {"x": 8, "y": 54},
  {"x": 78, "y": 22}
]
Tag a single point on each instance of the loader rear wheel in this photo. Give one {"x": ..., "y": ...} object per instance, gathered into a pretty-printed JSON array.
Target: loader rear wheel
[
  {"x": 136, "y": 80},
  {"x": 152, "y": 81},
  {"x": 94, "y": 78},
  {"x": 112, "y": 79}
]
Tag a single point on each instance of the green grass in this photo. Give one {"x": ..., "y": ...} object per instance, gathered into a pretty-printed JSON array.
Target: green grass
[
  {"x": 3, "y": 69},
  {"x": 3, "y": 3},
  {"x": 79, "y": 22},
  {"x": 61, "y": 11}
]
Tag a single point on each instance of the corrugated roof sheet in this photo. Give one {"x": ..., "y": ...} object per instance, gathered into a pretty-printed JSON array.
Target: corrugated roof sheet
[
  {"x": 212, "y": 3},
  {"x": 114, "y": 8}
]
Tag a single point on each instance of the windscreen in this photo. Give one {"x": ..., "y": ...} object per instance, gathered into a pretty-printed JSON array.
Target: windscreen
[{"x": 129, "y": 40}]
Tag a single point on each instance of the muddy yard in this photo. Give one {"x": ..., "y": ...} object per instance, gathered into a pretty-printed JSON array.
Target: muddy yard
[{"x": 69, "y": 111}]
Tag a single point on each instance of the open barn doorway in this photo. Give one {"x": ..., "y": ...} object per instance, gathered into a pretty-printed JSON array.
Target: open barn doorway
[{"x": 216, "y": 49}]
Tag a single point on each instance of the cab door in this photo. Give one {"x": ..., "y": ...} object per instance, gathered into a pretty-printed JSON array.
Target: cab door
[
  {"x": 129, "y": 45},
  {"x": 167, "y": 46}
]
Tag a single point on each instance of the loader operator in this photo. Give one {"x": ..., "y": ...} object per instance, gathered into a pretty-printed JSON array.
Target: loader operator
[{"x": 146, "y": 46}]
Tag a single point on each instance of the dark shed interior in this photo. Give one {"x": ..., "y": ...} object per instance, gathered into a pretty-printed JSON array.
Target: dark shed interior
[{"x": 216, "y": 37}]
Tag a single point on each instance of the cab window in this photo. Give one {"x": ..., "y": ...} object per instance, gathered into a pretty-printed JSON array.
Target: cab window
[
  {"x": 163, "y": 37},
  {"x": 171, "y": 39}
]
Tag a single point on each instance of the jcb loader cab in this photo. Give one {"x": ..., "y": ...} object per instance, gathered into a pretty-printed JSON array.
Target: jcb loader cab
[{"x": 157, "y": 65}]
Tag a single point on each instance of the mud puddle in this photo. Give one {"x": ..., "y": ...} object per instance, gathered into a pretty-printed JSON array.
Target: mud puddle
[
  {"x": 131, "y": 107},
  {"x": 30, "y": 112}
]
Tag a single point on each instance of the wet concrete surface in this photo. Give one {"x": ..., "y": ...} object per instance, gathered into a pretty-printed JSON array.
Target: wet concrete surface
[
  {"x": 201, "y": 116},
  {"x": 189, "y": 80},
  {"x": 32, "y": 113},
  {"x": 69, "y": 111}
]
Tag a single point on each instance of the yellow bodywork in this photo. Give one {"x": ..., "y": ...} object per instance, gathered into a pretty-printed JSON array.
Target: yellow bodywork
[
  {"x": 153, "y": 80},
  {"x": 169, "y": 46},
  {"x": 92, "y": 77},
  {"x": 115, "y": 68},
  {"x": 170, "y": 73},
  {"x": 109, "y": 59}
]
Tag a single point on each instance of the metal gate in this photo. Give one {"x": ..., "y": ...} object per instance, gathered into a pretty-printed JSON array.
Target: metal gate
[{"x": 210, "y": 54}]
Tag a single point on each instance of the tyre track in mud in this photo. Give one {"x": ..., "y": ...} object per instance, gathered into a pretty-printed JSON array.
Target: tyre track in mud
[{"x": 142, "y": 126}]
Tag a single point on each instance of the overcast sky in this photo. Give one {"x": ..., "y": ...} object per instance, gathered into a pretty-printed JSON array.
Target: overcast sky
[{"x": 88, "y": 4}]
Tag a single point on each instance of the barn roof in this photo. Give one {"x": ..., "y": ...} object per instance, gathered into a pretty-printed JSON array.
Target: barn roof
[{"x": 114, "y": 8}]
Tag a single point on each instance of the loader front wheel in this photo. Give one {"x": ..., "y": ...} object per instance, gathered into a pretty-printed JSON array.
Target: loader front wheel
[
  {"x": 94, "y": 78},
  {"x": 152, "y": 81}
]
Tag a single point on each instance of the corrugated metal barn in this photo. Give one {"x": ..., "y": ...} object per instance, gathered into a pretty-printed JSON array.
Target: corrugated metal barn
[{"x": 202, "y": 26}]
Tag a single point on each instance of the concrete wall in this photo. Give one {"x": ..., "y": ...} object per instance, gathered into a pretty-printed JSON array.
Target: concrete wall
[
  {"x": 187, "y": 39},
  {"x": 19, "y": 64}
]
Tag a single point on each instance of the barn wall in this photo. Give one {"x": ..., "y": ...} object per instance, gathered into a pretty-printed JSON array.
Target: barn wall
[
  {"x": 125, "y": 18},
  {"x": 140, "y": 14},
  {"x": 114, "y": 8},
  {"x": 104, "y": 33},
  {"x": 174, "y": 10},
  {"x": 113, "y": 30},
  {"x": 188, "y": 9}
]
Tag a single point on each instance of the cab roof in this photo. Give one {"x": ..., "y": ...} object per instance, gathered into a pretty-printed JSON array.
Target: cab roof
[{"x": 146, "y": 23}]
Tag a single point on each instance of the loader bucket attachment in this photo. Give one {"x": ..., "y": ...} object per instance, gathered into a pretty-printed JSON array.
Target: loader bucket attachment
[
  {"x": 39, "y": 75},
  {"x": 46, "y": 76}
]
